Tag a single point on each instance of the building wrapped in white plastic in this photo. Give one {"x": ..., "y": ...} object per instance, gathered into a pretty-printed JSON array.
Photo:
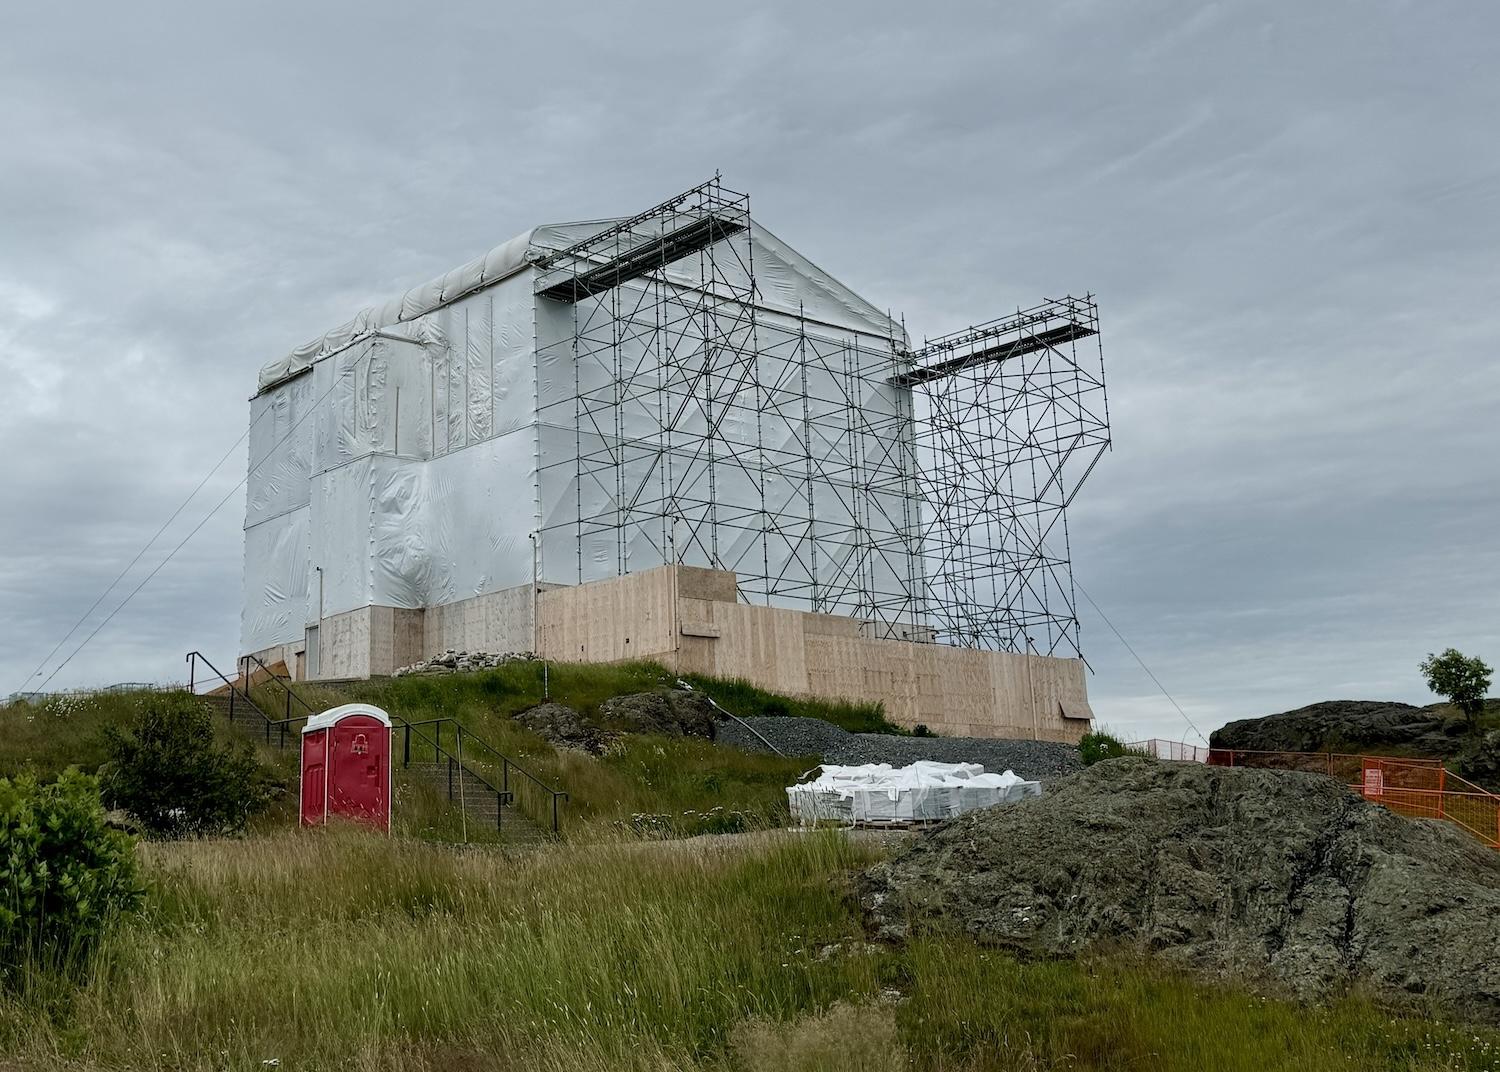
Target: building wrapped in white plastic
[
  {"x": 405, "y": 459},
  {"x": 681, "y": 388}
]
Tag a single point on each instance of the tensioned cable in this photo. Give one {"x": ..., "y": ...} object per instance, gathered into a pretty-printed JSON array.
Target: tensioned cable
[
  {"x": 1138, "y": 659},
  {"x": 141, "y": 553},
  {"x": 250, "y": 471}
]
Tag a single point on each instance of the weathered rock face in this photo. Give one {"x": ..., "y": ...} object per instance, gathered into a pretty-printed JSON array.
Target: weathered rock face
[
  {"x": 669, "y": 713},
  {"x": 565, "y": 727},
  {"x": 1275, "y": 879},
  {"x": 1347, "y": 725}
]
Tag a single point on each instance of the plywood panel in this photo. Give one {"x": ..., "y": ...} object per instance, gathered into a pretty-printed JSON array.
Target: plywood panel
[
  {"x": 761, "y": 644},
  {"x": 695, "y": 582},
  {"x": 953, "y": 690},
  {"x": 606, "y": 621}
]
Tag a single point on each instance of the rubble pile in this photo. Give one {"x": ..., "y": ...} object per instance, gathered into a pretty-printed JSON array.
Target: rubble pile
[{"x": 453, "y": 662}]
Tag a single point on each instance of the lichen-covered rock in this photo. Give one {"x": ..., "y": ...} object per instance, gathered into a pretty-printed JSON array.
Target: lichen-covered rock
[
  {"x": 1277, "y": 879},
  {"x": 670, "y": 713},
  {"x": 565, "y": 727}
]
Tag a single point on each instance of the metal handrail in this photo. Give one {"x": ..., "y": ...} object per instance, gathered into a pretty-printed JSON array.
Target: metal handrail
[
  {"x": 291, "y": 695},
  {"x": 192, "y": 659},
  {"x": 558, "y": 796}
]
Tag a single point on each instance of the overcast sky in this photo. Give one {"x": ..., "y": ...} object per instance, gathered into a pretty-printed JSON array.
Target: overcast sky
[{"x": 1290, "y": 214}]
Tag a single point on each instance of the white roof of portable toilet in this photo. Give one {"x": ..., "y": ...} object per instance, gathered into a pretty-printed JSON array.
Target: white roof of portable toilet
[{"x": 328, "y": 718}]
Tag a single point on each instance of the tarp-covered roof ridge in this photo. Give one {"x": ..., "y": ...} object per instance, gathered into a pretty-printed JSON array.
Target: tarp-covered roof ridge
[{"x": 786, "y": 281}]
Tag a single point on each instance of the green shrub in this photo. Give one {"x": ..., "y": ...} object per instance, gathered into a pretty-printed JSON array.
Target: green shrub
[
  {"x": 1094, "y": 747},
  {"x": 64, "y": 874},
  {"x": 167, "y": 772}
]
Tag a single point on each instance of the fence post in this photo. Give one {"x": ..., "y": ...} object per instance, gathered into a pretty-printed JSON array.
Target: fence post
[
  {"x": 554, "y": 813},
  {"x": 406, "y": 745},
  {"x": 231, "y": 705},
  {"x": 192, "y": 661},
  {"x": 1442, "y": 792}
]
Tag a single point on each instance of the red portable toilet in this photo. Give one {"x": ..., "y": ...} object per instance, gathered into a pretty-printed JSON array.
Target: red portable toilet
[{"x": 346, "y": 766}]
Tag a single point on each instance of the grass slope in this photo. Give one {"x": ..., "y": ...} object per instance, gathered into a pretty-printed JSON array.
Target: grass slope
[
  {"x": 668, "y": 785},
  {"x": 340, "y": 949},
  {"x": 651, "y": 784}
]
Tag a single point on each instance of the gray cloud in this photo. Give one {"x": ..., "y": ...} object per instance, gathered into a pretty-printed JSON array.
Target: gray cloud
[{"x": 1288, "y": 212}]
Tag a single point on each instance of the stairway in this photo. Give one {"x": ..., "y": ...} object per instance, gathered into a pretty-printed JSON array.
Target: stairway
[
  {"x": 479, "y": 801},
  {"x": 247, "y": 718}
]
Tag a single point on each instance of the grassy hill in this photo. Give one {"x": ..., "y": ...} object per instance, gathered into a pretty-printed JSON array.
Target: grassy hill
[
  {"x": 686, "y": 785},
  {"x": 339, "y": 948},
  {"x": 678, "y": 785}
]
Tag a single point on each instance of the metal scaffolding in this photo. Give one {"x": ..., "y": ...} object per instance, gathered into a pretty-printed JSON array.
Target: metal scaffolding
[
  {"x": 1012, "y": 417},
  {"x": 831, "y": 468}
]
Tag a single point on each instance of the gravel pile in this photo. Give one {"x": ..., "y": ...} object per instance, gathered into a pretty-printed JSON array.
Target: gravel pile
[{"x": 1035, "y": 760}]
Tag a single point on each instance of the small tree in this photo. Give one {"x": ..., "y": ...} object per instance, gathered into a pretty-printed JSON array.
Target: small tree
[
  {"x": 167, "y": 772},
  {"x": 1463, "y": 680}
]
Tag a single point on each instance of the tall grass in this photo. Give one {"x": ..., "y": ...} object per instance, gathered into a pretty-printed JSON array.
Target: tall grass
[
  {"x": 342, "y": 949},
  {"x": 305, "y": 947},
  {"x": 62, "y": 731}
]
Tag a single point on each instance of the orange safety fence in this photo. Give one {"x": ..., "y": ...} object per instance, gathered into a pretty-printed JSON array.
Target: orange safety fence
[
  {"x": 1418, "y": 788},
  {"x": 1347, "y": 767},
  {"x": 1423, "y": 791}
]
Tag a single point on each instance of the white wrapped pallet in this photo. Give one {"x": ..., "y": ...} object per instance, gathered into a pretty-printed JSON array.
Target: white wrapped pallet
[{"x": 922, "y": 792}]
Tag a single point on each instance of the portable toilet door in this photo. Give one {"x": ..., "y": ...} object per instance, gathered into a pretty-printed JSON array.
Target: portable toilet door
[{"x": 346, "y": 766}]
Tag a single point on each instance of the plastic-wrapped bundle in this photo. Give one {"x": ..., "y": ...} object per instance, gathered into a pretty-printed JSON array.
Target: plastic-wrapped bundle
[
  {"x": 882, "y": 806},
  {"x": 934, "y": 803},
  {"x": 811, "y": 804},
  {"x": 922, "y": 792}
]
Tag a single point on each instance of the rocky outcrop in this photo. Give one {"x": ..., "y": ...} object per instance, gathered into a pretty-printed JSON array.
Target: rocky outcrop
[
  {"x": 1276, "y": 879},
  {"x": 665, "y": 713},
  {"x": 1348, "y": 726},
  {"x": 670, "y": 713},
  {"x": 560, "y": 725}
]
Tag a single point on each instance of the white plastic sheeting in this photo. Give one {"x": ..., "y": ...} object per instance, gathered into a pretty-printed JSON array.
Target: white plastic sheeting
[
  {"x": 277, "y": 605},
  {"x": 405, "y": 465},
  {"x": 787, "y": 280},
  {"x": 925, "y": 791}
]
